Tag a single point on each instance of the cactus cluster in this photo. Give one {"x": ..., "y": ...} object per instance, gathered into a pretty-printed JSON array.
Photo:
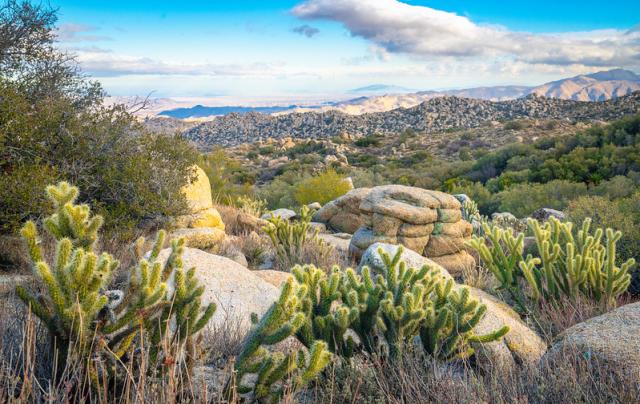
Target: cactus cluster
[
  {"x": 568, "y": 264},
  {"x": 95, "y": 326},
  {"x": 265, "y": 376},
  {"x": 389, "y": 311},
  {"x": 502, "y": 256},
  {"x": 290, "y": 238},
  {"x": 575, "y": 264}
]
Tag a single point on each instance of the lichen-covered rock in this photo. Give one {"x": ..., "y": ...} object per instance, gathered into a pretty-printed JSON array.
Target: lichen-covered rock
[
  {"x": 612, "y": 339},
  {"x": 428, "y": 222},
  {"x": 206, "y": 218},
  {"x": 233, "y": 288},
  {"x": 198, "y": 193},
  {"x": 343, "y": 214},
  {"x": 202, "y": 238},
  {"x": 457, "y": 263}
]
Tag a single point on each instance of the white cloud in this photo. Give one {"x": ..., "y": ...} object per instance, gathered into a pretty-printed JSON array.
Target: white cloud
[
  {"x": 428, "y": 33},
  {"x": 79, "y": 33},
  {"x": 104, "y": 63}
]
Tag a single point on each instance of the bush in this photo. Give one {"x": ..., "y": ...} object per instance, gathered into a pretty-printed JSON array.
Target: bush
[
  {"x": 523, "y": 199},
  {"x": 321, "y": 188},
  {"x": 368, "y": 141}
]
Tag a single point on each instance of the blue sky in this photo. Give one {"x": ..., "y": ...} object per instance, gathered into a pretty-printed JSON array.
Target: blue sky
[{"x": 326, "y": 47}]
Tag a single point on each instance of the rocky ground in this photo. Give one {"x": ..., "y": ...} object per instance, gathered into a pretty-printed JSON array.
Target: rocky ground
[{"x": 432, "y": 116}]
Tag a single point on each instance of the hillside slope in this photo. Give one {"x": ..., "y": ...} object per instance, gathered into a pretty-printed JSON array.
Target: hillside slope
[{"x": 431, "y": 116}]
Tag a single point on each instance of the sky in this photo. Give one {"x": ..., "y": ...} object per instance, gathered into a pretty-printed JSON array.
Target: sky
[{"x": 290, "y": 49}]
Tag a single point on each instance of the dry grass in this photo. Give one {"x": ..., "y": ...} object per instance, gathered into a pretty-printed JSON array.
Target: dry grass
[{"x": 418, "y": 379}]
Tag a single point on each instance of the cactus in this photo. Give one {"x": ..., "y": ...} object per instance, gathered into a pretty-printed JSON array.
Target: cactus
[
  {"x": 322, "y": 320},
  {"x": 290, "y": 238},
  {"x": 399, "y": 305},
  {"x": 502, "y": 257},
  {"x": 447, "y": 331},
  {"x": 575, "y": 265},
  {"x": 276, "y": 373},
  {"x": 406, "y": 300},
  {"x": 95, "y": 323}
]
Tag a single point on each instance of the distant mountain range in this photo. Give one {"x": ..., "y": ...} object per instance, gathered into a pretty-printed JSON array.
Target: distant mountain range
[
  {"x": 434, "y": 115},
  {"x": 599, "y": 86}
]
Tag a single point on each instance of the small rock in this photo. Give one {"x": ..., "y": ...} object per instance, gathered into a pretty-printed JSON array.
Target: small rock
[
  {"x": 320, "y": 227},
  {"x": 283, "y": 213},
  {"x": 314, "y": 206},
  {"x": 543, "y": 214}
]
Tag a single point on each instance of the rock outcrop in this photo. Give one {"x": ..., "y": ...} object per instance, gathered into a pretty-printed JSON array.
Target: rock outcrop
[
  {"x": 427, "y": 222},
  {"x": 202, "y": 226},
  {"x": 236, "y": 290},
  {"x": 612, "y": 340},
  {"x": 519, "y": 345},
  {"x": 343, "y": 214}
]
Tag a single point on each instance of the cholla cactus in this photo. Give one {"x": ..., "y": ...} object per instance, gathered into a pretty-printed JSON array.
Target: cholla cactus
[
  {"x": 447, "y": 331},
  {"x": 502, "y": 256},
  {"x": 276, "y": 373},
  {"x": 325, "y": 317},
  {"x": 389, "y": 312},
  {"x": 82, "y": 319},
  {"x": 406, "y": 299},
  {"x": 290, "y": 238},
  {"x": 571, "y": 265}
]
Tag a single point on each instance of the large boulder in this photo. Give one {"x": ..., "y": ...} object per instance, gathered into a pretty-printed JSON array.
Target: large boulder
[
  {"x": 275, "y": 278},
  {"x": 201, "y": 226},
  {"x": 343, "y": 214},
  {"x": 427, "y": 222},
  {"x": 236, "y": 290},
  {"x": 612, "y": 340},
  {"x": 520, "y": 345},
  {"x": 198, "y": 192}
]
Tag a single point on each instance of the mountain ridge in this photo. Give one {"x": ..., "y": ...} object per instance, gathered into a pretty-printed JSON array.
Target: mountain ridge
[{"x": 436, "y": 114}]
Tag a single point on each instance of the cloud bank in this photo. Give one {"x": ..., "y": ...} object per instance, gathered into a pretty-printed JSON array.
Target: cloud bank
[{"x": 428, "y": 33}]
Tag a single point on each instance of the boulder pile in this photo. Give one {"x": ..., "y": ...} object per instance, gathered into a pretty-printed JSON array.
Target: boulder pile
[
  {"x": 427, "y": 222},
  {"x": 202, "y": 226}
]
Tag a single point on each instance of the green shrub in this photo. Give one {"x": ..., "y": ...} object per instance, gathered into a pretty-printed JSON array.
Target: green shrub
[
  {"x": 523, "y": 199},
  {"x": 368, "y": 141},
  {"x": 321, "y": 188},
  {"x": 515, "y": 125}
]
